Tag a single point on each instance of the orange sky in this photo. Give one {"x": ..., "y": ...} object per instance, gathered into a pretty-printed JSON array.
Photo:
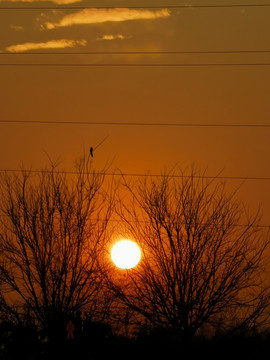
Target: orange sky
[{"x": 210, "y": 94}]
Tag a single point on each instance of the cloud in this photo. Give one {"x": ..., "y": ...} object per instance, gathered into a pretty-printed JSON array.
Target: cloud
[
  {"x": 16, "y": 27},
  {"x": 112, "y": 37},
  {"x": 52, "y": 44},
  {"x": 59, "y": 2},
  {"x": 99, "y": 16}
]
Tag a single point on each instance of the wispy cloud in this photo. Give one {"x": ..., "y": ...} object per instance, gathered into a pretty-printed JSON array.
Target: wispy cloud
[
  {"x": 112, "y": 37},
  {"x": 59, "y": 2},
  {"x": 98, "y": 16},
  {"x": 52, "y": 44},
  {"x": 16, "y": 27}
]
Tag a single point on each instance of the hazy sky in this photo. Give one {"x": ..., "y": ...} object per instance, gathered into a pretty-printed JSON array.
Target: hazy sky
[{"x": 138, "y": 94}]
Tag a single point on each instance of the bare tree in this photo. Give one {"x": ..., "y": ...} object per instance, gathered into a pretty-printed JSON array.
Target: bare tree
[
  {"x": 202, "y": 257},
  {"x": 52, "y": 233}
]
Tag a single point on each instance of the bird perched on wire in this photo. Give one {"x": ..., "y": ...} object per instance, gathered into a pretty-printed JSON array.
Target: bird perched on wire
[{"x": 91, "y": 151}]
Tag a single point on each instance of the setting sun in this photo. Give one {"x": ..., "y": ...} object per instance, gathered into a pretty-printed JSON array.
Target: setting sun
[{"x": 126, "y": 254}]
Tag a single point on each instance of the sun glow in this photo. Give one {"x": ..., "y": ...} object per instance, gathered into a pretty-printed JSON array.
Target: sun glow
[{"x": 126, "y": 254}]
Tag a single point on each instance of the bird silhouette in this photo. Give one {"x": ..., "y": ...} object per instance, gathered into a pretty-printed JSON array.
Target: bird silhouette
[{"x": 91, "y": 151}]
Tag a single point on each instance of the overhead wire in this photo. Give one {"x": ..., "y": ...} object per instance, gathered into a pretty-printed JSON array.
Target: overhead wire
[
  {"x": 111, "y": 123},
  {"x": 138, "y": 64},
  {"x": 38, "y": 171},
  {"x": 148, "y": 222},
  {"x": 135, "y": 64},
  {"x": 184, "y": 6},
  {"x": 166, "y": 52}
]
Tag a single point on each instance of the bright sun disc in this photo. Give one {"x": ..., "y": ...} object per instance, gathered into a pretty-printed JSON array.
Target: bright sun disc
[{"x": 126, "y": 254}]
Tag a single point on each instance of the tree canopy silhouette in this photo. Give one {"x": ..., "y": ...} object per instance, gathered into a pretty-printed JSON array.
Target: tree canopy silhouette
[
  {"x": 52, "y": 233},
  {"x": 202, "y": 259}
]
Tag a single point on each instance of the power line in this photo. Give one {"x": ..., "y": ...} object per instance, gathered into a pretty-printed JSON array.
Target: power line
[
  {"x": 148, "y": 222},
  {"x": 255, "y": 178},
  {"x": 135, "y": 7},
  {"x": 135, "y": 65},
  {"x": 56, "y": 122},
  {"x": 136, "y": 52}
]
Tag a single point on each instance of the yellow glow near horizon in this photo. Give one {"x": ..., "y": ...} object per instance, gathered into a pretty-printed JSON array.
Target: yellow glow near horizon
[{"x": 126, "y": 254}]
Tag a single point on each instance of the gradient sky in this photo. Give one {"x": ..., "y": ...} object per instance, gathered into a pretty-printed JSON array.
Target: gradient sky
[{"x": 152, "y": 94}]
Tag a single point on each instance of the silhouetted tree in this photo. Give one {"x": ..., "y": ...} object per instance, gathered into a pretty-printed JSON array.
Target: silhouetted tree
[
  {"x": 202, "y": 261},
  {"x": 53, "y": 228}
]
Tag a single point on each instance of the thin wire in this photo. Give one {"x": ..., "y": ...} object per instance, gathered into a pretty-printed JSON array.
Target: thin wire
[
  {"x": 136, "y": 52},
  {"x": 134, "y": 7},
  {"x": 134, "y": 65},
  {"x": 148, "y": 222},
  {"x": 56, "y": 122},
  {"x": 259, "y": 178}
]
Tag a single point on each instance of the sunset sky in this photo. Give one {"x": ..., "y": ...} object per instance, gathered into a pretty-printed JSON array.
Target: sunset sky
[{"x": 207, "y": 88}]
